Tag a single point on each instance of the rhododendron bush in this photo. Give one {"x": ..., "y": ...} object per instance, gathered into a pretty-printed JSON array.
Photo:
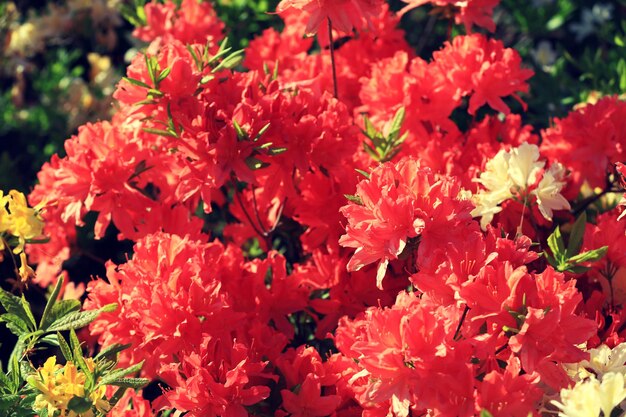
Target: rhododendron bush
[{"x": 326, "y": 223}]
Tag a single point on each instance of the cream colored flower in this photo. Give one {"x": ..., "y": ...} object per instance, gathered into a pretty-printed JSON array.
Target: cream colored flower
[
  {"x": 515, "y": 173},
  {"x": 590, "y": 396},
  {"x": 548, "y": 191},
  {"x": 524, "y": 165}
]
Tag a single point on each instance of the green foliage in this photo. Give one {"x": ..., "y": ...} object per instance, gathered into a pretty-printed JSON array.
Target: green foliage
[
  {"x": 18, "y": 385},
  {"x": 383, "y": 147},
  {"x": 568, "y": 258},
  {"x": 247, "y": 18}
]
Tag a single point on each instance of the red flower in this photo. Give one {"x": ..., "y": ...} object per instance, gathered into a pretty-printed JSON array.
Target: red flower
[
  {"x": 485, "y": 69},
  {"x": 345, "y": 15},
  {"x": 398, "y": 203},
  {"x": 308, "y": 401}
]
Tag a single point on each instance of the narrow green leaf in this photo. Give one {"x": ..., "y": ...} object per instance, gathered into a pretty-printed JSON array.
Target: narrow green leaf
[
  {"x": 163, "y": 75},
  {"x": 364, "y": 173},
  {"x": 28, "y": 311},
  {"x": 134, "y": 383},
  {"x": 396, "y": 124},
  {"x": 370, "y": 130},
  {"x": 485, "y": 413},
  {"x": 47, "y": 311},
  {"x": 160, "y": 132},
  {"x": 138, "y": 83},
  {"x": 111, "y": 351},
  {"x": 65, "y": 348},
  {"x": 354, "y": 198},
  {"x": 119, "y": 373},
  {"x": 77, "y": 352},
  {"x": 241, "y": 135},
  {"x": 576, "y": 236},
  {"x": 262, "y": 132},
  {"x": 589, "y": 256},
  {"x": 276, "y": 151}
]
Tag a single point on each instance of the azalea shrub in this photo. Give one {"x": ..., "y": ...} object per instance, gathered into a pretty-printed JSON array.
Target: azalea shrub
[{"x": 324, "y": 223}]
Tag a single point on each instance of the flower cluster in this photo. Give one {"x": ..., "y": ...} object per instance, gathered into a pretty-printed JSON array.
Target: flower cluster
[
  {"x": 59, "y": 385},
  {"x": 304, "y": 233}
]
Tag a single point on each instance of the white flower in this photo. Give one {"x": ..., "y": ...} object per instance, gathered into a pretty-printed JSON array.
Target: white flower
[
  {"x": 548, "y": 191},
  {"x": 516, "y": 173},
  {"x": 496, "y": 177},
  {"x": 603, "y": 360},
  {"x": 524, "y": 165},
  {"x": 590, "y": 396}
]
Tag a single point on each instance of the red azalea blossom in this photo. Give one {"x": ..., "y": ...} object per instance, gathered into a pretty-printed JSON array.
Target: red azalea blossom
[{"x": 345, "y": 15}]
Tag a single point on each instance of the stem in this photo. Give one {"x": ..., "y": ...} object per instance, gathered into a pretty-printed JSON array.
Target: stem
[
  {"x": 332, "y": 57},
  {"x": 458, "y": 329}
]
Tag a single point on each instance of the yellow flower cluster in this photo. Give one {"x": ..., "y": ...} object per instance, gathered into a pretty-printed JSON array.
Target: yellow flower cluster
[
  {"x": 19, "y": 224},
  {"x": 58, "y": 385}
]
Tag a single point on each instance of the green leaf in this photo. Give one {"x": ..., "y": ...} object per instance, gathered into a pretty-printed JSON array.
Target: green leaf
[
  {"x": 13, "y": 304},
  {"x": 5, "y": 382},
  {"x": 354, "y": 198},
  {"x": 47, "y": 311},
  {"x": 28, "y": 311},
  {"x": 138, "y": 83},
  {"x": 77, "y": 352},
  {"x": 111, "y": 351},
  {"x": 163, "y": 75},
  {"x": 241, "y": 135},
  {"x": 160, "y": 132},
  {"x": 485, "y": 413},
  {"x": 79, "y": 405},
  {"x": 119, "y": 373},
  {"x": 576, "y": 236},
  {"x": 230, "y": 62},
  {"x": 555, "y": 243},
  {"x": 9, "y": 401},
  {"x": 261, "y": 132},
  {"x": 60, "y": 309},
  {"x": 134, "y": 383},
  {"x": 65, "y": 348},
  {"x": 76, "y": 319},
  {"x": 15, "y": 324},
  {"x": 589, "y": 256},
  {"x": 396, "y": 124},
  {"x": 276, "y": 151},
  {"x": 577, "y": 269},
  {"x": 364, "y": 173},
  {"x": 370, "y": 130}
]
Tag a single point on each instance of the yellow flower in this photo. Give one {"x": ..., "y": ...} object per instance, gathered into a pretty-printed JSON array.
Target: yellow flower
[
  {"x": 58, "y": 385},
  {"x": 22, "y": 222}
]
